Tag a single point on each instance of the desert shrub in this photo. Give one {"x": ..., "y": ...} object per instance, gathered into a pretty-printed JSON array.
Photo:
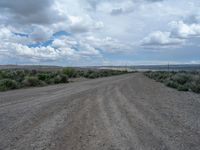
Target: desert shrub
[
  {"x": 8, "y": 84},
  {"x": 17, "y": 78},
  {"x": 20, "y": 75},
  {"x": 93, "y": 75},
  {"x": 60, "y": 79},
  {"x": 184, "y": 87},
  {"x": 182, "y": 78},
  {"x": 182, "y": 81},
  {"x": 64, "y": 78},
  {"x": 171, "y": 84},
  {"x": 57, "y": 79},
  {"x": 32, "y": 81},
  {"x": 195, "y": 87},
  {"x": 70, "y": 72},
  {"x": 80, "y": 73},
  {"x": 158, "y": 76},
  {"x": 33, "y": 72},
  {"x": 43, "y": 76}
]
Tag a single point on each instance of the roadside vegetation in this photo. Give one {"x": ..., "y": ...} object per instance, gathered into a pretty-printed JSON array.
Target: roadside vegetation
[
  {"x": 19, "y": 78},
  {"x": 182, "y": 81}
]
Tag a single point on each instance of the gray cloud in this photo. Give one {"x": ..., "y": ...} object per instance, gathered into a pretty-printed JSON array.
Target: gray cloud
[
  {"x": 161, "y": 39},
  {"x": 193, "y": 18},
  {"x": 30, "y": 12},
  {"x": 116, "y": 11},
  {"x": 25, "y": 7}
]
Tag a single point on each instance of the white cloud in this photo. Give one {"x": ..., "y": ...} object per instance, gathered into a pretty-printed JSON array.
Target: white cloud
[
  {"x": 42, "y": 53},
  {"x": 40, "y": 33},
  {"x": 8, "y": 36},
  {"x": 109, "y": 44},
  {"x": 80, "y": 48},
  {"x": 183, "y": 30},
  {"x": 178, "y": 33},
  {"x": 64, "y": 42},
  {"x": 161, "y": 39},
  {"x": 81, "y": 24}
]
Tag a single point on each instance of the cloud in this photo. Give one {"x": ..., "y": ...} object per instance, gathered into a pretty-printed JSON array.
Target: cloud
[
  {"x": 9, "y": 36},
  {"x": 30, "y": 12},
  {"x": 12, "y": 44},
  {"x": 109, "y": 45},
  {"x": 41, "y": 53},
  {"x": 183, "y": 30},
  {"x": 116, "y": 11},
  {"x": 40, "y": 33},
  {"x": 161, "y": 39},
  {"x": 34, "y": 18},
  {"x": 79, "y": 47},
  {"x": 83, "y": 24},
  {"x": 178, "y": 33}
]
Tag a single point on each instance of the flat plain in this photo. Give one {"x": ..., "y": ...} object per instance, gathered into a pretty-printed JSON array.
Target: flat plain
[{"x": 126, "y": 112}]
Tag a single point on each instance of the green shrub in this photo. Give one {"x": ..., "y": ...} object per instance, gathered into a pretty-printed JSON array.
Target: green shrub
[
  {"x": 20, "y": 75},
  {"x": 60, "y": 79},
  {"x": 183, "y": 88},
  {"x": 182, "y": 81},
  {"x": 64, "y": 78},
  {"x": 195, "y": 88},
  {"x": 70, "y": 72},
  {"x": 93, "y": 75},
  {"x": 171, "y": 84},
  {"x": 8, "y": 84},
  {"x": 182, "y": 78},
  {"x": 57, "y": 79},
  {"x": 16, "y": 78},
  {"x": 32, "y": 81},
  {"x": 43, "y": 76}
]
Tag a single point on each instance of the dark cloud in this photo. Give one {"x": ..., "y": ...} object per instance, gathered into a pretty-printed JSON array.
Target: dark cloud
[
  {"x": 154, "y": 0},
  {"x": 193, "y": 18},
  {"x": 117, "y": 11},
  {"x": 25, "y": 7},
  {"x": 30, "y": 11}
]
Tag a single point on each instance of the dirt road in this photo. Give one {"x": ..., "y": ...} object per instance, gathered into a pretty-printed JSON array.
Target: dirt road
[{"x": 128, "y": 112}]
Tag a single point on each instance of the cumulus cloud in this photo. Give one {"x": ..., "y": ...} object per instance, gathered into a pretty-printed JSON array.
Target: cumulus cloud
[
  {"x": 79, "y": 47},
  {"x": 108, "y": 44},
  {"x": 30, "y": 12},
  {"x": 41, "y": 53},
  {"x": 183, "y": 30},
  {"x": 9, "y": 36},
  {"x": 83, "y": 24},
  {"x": 40, "y": 33},
  {"x": 178, "y": 33},
  {"x": 33, "y": 18},
  {"x": 161, "y": 39}
]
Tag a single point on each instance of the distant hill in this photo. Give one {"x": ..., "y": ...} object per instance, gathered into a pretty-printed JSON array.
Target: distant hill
[
  {"x": 31, "y": 67},
  {"x": 181, "y": 67}
]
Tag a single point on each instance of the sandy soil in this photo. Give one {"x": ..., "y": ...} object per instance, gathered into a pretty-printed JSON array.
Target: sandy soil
[{"x": 127, "y": 112}]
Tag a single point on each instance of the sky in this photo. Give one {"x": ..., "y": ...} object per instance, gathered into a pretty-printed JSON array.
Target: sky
[{"x": 99, "y": 32}]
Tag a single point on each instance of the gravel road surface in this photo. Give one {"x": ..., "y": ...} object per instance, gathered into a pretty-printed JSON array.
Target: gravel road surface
[{"x": 127, "y": 112}]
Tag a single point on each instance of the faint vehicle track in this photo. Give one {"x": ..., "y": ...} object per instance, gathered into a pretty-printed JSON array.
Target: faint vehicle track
[{"x": 127, "y": 112}]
